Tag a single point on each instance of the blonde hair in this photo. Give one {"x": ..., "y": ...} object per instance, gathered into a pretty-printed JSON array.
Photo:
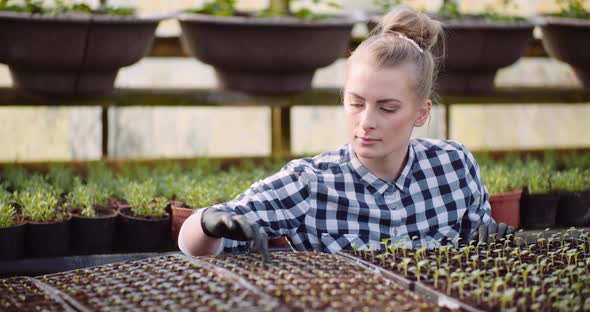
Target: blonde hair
[{"x": 405, "y": 36}]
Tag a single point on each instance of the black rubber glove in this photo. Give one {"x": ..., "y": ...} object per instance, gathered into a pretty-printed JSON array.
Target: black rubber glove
[
  {"x": 484, "y": 232},
  {"x": 219, "y": 223}
]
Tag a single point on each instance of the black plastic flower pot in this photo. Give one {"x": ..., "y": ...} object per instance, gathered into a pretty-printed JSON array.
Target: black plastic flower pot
[
  {"x": 94, "y": 235},
  {"x": 538, "y": 211},
  {"x": 44, "y": 240},
  {"x": 12, "y": 242},
  {"x": 574, "y": 209},
  {"x": 138, "y": 234}
]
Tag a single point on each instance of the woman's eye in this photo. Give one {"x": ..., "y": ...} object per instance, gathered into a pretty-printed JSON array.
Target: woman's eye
[
  {"x": 356, "y": 104},
  {"x": 387, "y": 110}
]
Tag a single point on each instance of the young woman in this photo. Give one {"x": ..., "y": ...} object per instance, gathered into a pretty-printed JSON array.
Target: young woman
[{"x": 380, "y": 185}]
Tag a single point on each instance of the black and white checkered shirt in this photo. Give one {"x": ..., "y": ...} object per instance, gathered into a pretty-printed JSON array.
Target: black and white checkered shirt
[{"x": 332, "y": 202}]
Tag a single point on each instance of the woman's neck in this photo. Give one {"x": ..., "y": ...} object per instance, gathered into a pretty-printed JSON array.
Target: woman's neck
[{"x": 387, "y": 168}]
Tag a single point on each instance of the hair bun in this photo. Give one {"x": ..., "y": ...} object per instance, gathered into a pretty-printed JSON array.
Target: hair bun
[{"x": 417, "y": 26}]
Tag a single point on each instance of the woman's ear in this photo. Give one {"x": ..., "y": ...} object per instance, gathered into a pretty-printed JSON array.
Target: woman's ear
[{"x": 423, "y": 113}]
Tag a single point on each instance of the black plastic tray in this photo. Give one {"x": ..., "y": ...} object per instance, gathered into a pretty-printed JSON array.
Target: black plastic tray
[{"x": 41, "y": 266}]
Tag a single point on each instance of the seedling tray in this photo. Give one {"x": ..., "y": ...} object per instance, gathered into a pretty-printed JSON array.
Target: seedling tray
[
  {"x": 305, "y": 281},
  {"x": 27, "y": 294},
  {"x": 161, "y": 284},
  {"x": 550, "y": 274},
  {"x": 424, "y": 291}
]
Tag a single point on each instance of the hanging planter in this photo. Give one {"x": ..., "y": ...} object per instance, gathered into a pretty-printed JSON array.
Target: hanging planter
[
  {"x": 476, "y": 46},
  {"x": 564, "y": 35},
  {"x": 562, "y": 40},
  {"x": 72, "y": 53},
  {"x": 476, "y": 49},
  {"x": 277, "y": 54}
]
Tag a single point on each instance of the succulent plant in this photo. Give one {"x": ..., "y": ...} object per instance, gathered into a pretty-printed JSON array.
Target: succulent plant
[
  {"x": 86, "y": 197},
  {"x": 573, "y": 9},
  {"x": 140, "y": 196},
  {"x": 7, "y": 214},
  {"x": 101, "y": 175},
  {"x": 572, "y": 180},
  {"x": 62, "y": 7},
  {"x": 14, "y": 176},
  {"x": 40, "y": 205},
  {"x": 275, "y": 8},
  {"x": 61, "y": 178}
]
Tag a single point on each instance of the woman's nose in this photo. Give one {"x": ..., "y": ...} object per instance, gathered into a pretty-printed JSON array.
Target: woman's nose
[{"x": 367, "y": 119}]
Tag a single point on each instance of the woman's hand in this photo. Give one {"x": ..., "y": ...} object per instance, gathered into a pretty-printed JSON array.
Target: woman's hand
[
  {"x": 485, "y": 231},
  {"x": 219, "y": 223}
]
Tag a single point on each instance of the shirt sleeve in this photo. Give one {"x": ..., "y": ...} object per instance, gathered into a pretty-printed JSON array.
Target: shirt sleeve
[
  {"x": 278, "y": 203},
  {"x": 479, "y": 211}
]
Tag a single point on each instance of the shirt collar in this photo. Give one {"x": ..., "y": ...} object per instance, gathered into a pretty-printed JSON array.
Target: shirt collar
[{"x": 376, "y": 184}]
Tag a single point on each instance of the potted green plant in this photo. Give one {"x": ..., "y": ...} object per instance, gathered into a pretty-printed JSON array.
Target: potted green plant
[
  {"x": 13, "y": 177},
  {"x": 538, "y": 205},
  {"x": 71, "y": 48},
  {"x": 564, "y": 36},
  {"x": 476, "y": 46},
  {"x": 505, "y": 188},
  {"x": 12, "y": 229},
  {"x": 275, "y": 51},
  {"x": 145, "y": 225},
  {"x": 48, "y": 232},
  {"x": 93, "y": 222},
  {"x": 61, "y": 178},
  {"x": 573, "y": 187}
]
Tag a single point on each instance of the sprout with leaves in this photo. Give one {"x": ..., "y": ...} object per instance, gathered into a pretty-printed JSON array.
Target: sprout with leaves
[
  {"x": 141, "y": 199},
  {"x": 86, "y": 197},
  {"x": 275, "y": 8},
  {"x": 40, "y": 205},
  {"x": 63, "y": 7},
  {"x": 573, "y": 9},
  {"x": 7, "y": 214}
]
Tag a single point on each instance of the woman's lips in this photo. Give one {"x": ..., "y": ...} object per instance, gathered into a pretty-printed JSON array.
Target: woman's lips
[{"x": 368, "y": 141}]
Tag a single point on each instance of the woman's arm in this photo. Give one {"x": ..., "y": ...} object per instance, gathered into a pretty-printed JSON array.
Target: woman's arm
[
  {"x": 193, "y": 241},
  {"x": 275, "y": 204}
]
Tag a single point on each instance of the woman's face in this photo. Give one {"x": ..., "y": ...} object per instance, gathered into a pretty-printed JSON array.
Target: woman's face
[{"x": 381, "y": 109}]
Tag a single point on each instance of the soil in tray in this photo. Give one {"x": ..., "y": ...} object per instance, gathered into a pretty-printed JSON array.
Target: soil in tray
[
  {"x": 21, "y": 294},
  {"x": 322, "y": 282},
  {"x": 549, "y": 275},
  {"x": 164, "y": 283}
]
